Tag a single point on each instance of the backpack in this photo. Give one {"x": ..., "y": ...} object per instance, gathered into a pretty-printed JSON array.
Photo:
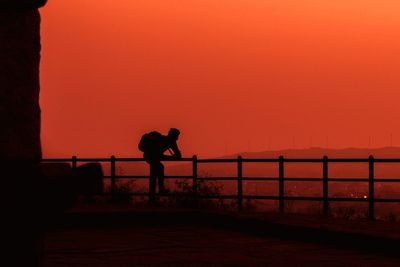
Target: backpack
[{"x": 149, "y": 141}]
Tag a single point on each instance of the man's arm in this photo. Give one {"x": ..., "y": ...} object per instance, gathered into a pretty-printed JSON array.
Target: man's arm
[{"x": 176, "y": 152}]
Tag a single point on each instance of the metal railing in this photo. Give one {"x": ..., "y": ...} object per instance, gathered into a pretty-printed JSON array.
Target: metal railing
[{"x": 281, "y": 179}]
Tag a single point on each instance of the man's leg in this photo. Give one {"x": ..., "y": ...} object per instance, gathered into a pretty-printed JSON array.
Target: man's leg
[
  {"x": 152, "y": 182},
  {"x": 160, "y": 176}
]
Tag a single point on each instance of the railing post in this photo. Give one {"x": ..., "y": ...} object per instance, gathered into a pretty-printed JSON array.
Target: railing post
[
  {"x": 325, "y": 185},
  {"x": 74, "y": 164},
  {"x": 194, "y": 177},
  {"x": 112, "y": 175},
  {"x": 281, "y": 185},
  {"x": 240, "y": 183},
  {"x": 371, "y": 197}
]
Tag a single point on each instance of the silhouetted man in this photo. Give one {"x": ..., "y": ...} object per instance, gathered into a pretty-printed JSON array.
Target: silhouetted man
[{"x": 154, "y": 145}]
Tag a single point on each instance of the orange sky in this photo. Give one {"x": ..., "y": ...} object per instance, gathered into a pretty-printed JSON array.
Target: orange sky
[{"x": 233, "y": 75}]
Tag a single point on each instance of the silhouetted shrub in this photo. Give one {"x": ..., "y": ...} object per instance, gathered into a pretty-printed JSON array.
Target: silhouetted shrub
[
  {"x": 121, "y": 192},
  {"x": 208, "y": 196}
]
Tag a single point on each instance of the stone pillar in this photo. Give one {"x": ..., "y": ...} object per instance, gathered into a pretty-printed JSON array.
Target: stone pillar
[
  {"x": 19, "y": 79},
  {"x": 20, "y": 150}
]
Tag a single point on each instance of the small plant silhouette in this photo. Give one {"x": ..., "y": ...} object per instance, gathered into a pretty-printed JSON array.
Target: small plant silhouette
[
  {"x": 184, "y": 197},
  {"x": 207, "y": 196},
  {"x": 122, "y": 192}
]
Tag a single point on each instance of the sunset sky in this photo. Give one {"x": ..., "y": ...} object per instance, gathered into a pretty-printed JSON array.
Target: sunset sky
[{"x": 233, "y": 75}]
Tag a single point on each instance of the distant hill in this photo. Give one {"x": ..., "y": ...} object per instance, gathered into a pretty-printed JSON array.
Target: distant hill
[{"x": 317, "y": 152}]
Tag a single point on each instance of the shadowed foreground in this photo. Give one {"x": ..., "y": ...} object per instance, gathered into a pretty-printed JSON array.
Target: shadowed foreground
[
  {"x": 193, "y": 246},
  {"x": 187, "y": 239}
]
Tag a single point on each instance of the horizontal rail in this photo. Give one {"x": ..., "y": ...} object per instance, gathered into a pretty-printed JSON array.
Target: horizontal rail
[
  {"x": 145, "y": 177},
  {"x": 387, "y": 180}
]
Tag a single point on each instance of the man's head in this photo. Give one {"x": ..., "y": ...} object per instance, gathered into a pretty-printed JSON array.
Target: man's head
[{"x": 173, "y": 133}]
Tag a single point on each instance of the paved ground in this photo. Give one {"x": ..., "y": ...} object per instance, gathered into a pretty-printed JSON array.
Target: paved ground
[{"x": 187, "y": 244}]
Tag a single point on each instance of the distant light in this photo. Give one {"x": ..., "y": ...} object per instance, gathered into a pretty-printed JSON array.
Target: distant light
[{"x": 365, "y": 196}]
